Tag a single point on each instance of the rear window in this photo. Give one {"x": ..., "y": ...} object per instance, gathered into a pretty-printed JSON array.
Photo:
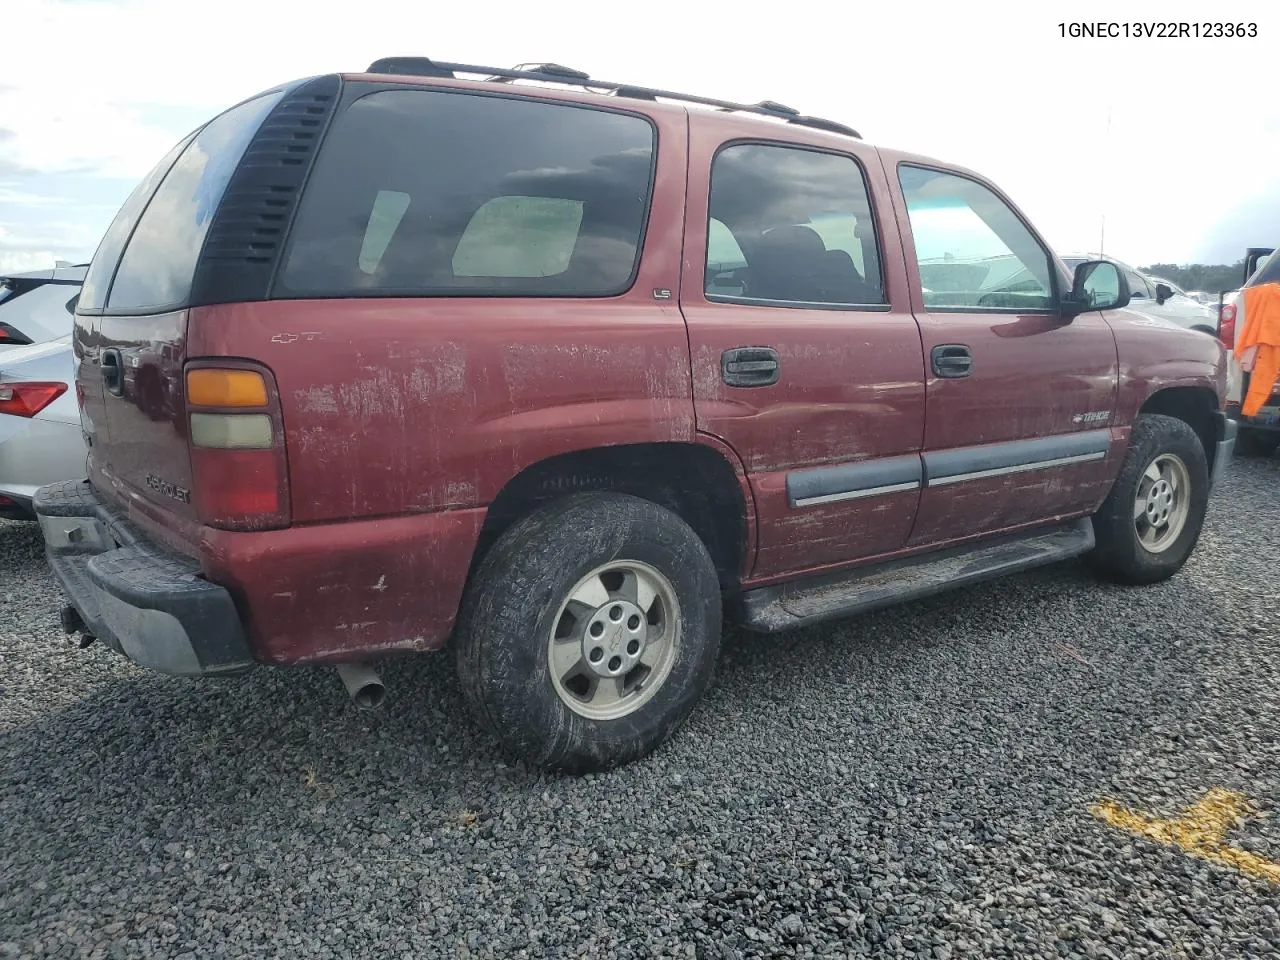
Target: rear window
[
  {"x": 160, "y": 261},
  {"x": 420, "y": 193}
]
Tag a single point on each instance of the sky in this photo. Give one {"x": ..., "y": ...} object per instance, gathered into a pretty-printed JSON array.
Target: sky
[{"x": 1156, "y": 150}]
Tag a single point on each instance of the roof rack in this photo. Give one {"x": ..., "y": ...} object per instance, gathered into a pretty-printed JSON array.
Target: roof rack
[{"x": 557, "y": 73}]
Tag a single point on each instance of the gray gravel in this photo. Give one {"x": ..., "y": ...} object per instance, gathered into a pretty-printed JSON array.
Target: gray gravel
[{"x": 915, "y": 783}]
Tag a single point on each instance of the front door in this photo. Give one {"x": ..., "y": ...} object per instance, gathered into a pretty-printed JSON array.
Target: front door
[
  {"x": 1018, "y": 401},
  {"x": 806, "y": 358}
]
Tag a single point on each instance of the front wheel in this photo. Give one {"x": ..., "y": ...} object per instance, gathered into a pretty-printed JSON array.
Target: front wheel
[
  {"x": 589, "y": 632},
  {"x": 1152, "y": 518}
]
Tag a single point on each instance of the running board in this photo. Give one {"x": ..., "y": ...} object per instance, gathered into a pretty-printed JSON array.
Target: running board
[{"x": 813, "y": 600}]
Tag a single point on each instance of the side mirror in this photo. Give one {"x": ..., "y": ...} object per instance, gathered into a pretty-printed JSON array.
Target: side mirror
[
  {"x": 1163, "y": 293},
  {"x": 1097, "y": 285}
]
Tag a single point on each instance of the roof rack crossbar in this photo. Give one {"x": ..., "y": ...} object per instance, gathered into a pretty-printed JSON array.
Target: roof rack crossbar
[{"x": 555, "y": 73}]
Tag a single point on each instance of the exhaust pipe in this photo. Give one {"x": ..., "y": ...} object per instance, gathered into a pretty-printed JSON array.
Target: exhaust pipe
[{"x": 363, "y": 684}]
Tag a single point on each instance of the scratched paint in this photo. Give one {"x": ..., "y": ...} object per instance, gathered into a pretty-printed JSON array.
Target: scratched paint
[
  {"x": 319, "y": 399},
  {"x": 1200, "y": 831}
]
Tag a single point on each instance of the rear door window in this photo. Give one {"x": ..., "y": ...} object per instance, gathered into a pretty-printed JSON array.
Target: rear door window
[
  {"x": 472, "y": 195},
  {"x": 790, "y": 226},
  {"x": 160, "y": 261}
]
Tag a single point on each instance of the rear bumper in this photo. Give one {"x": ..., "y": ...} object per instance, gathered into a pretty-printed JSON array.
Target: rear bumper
[
  {"x": 148, "y": 604},
  {"x": 1266, "y": 422},
  {"x": 1224, "y": 448}
]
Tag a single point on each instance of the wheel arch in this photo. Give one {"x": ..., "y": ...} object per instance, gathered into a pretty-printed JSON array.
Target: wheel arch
[
  {"x": 698, "y": 481},
  {"x": 1197, "y": 406}
]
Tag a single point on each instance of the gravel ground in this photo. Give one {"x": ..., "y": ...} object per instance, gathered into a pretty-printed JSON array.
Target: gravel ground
[{"x": 915, "y": 783}]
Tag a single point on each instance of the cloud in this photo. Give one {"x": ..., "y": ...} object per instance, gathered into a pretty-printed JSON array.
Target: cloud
[
  {"x": 1254, "y": 222},
  {"x": 26, "y": 261},
  {"x": 36, "y": 247},
  {"x": 87, "y": 135},
  {"x": 12, "y": 195},
  {"x": 1003, "y": 94}
]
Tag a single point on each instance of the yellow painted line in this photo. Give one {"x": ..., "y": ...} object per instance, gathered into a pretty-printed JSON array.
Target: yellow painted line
[{"x": 1201, "y": 830}]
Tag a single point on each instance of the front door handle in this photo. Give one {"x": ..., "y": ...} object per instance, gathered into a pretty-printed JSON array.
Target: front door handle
[
  {"x": 112, "y": 371},
  {"x": 951, "y": 361},
  {"x": 749, "y": 366}
]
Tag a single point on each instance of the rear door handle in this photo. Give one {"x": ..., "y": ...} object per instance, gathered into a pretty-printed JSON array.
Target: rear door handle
[
  {"x": 749, "y": 366},
  {"x": 951, "y": 361},
  {"x": 112, "y": 371}
]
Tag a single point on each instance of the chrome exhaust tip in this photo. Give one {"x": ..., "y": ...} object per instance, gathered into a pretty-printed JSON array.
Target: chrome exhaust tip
[{"x": 363, "y": 684}]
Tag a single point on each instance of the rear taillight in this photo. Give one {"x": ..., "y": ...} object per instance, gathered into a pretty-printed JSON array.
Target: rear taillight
[
  {"x": 28, "y": 399},
  {"x": 13, "y": 337},
  {"x": 1227, "y": 325},
  {"x": 239, "y": 473}
]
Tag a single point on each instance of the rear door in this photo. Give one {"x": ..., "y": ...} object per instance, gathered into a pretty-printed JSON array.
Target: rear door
[
  {"x": 87, "y": 339},
  {"x": 133, "y": 347},
  {"x": 1019, "y": 401},
  {"x": 806, "y": 359}
]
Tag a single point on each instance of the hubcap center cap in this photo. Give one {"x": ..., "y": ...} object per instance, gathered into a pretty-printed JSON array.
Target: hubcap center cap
[
  {"x": 1159, "y": 502},
  {"x": 614, "y": 638}
]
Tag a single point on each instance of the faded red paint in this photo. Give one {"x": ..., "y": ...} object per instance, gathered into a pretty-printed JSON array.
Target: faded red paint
[{"x": 405, "y": 418}]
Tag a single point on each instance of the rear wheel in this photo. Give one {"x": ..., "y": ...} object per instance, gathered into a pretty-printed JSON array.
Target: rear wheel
[
  {"x": 589, "y": 632},
  {"x": 1257, "y": 443},
  {"x": 1152, "y": 518}
]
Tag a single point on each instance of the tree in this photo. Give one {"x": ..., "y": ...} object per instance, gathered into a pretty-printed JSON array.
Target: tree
[{"x": 1211, "y": 278}]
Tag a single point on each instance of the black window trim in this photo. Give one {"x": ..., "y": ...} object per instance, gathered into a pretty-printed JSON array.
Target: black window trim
[
  {"x": 353, "y": 93},
  {"x": 1055, "y": 277},
  {"x": 885, "y": 307}
]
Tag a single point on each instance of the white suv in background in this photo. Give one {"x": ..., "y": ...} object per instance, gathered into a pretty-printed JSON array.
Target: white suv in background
[
  {"x": 1158, "y": 298},
  {"x": 1260, "y": 434},
  {"x": 34, "y": 306}
]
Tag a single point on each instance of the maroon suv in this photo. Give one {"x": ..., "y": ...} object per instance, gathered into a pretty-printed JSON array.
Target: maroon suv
[{"x": 561, "y": 373}]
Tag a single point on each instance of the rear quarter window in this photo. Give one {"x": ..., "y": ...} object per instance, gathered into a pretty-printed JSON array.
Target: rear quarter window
[
  {"x": 102, "y": 268},
  {"x": 431, "y": 193},
  {"x": 159, "y": 263}
]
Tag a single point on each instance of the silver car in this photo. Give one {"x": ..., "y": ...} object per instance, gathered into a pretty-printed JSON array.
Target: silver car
[{"x": 40, "y": 438}]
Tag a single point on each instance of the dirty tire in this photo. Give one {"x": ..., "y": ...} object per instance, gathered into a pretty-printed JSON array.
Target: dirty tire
[
  {"x": 1119, "y": 556},
  {"x": 1257, "y": 443},
  {"x": 511, "y": 607}
]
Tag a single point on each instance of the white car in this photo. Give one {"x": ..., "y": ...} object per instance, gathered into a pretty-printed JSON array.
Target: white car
[
  {"x": 1158, "y": 298},
  {"x": 35, "y": 307},
  {"x": 40, "y": 437},
  {"x": 1260, "y": 434}
]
